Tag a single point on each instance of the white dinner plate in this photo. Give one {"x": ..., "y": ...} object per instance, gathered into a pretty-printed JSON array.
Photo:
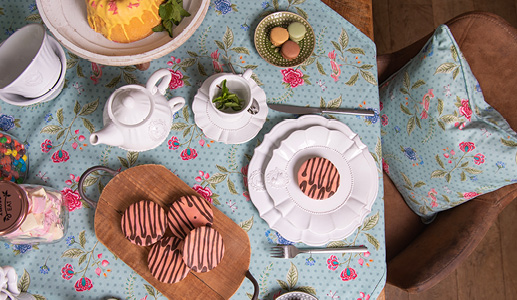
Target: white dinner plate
[
  {"x": 215, "y": 127},
  {"x": 301, "y": 225}
]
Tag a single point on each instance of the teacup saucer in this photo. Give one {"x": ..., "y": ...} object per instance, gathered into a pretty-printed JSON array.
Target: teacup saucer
[
  {"x": 235, "y": 131},
  {"x": 53, "y": 93}
]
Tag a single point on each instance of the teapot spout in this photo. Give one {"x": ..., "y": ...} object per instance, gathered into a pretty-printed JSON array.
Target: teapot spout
[{"x": 109, "y": 135}]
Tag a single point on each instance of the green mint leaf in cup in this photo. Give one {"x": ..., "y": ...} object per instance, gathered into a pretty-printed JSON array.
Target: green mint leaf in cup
[
  {"x": 171, "y": 12},
  {"x": 227, "y": 99}
]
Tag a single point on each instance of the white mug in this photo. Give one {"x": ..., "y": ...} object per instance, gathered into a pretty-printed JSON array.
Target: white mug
[{"x": 30, "y": 67}]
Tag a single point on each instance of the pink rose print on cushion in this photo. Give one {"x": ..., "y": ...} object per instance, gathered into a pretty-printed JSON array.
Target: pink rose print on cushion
[
  {"x": 72, "y": 199},
  {"x": 67, "y": 272},
  {"x": 332, "y": 263},
  {"x": 425, "y": 104},
  {"x": 293, "y": 77},
  {"x": 60, "y": 156},
  {"x": 479, "y": 159},
  {"x": 188, "y": 154},
  {"x": 177, "y": 80},
  {"x": 83, "y": 284},
  {"x": 46, "y": 146},
  {"x": 348, "y": 274},
  {"x": 465, "y": 109},
  {"x": 432, "y": 194},
  {"x": 174, "y": 143},
  {"x": 469, "y": 195},
  {"x": 205, "y": 192},
  {"x": 384, "y": 120},
  {"x": 467, "y": 146}
]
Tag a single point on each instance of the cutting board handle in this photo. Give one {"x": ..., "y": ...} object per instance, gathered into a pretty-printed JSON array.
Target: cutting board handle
[
  {"x": 80, "y": 189},
  {"x": 255, "y": 285}
]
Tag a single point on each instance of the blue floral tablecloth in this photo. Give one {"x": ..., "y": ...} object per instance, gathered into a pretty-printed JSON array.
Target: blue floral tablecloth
[{"x": 340, "y": 73}]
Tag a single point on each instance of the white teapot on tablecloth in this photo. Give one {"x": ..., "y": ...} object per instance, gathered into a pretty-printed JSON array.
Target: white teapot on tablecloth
[{"x": 138, "y": 118}]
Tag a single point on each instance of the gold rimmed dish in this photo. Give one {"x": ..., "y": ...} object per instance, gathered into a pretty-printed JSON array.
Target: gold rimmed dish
[{"x": 269, "y": 52}]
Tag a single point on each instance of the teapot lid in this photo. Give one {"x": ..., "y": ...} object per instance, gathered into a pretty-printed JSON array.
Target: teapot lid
[{"x": 130, "y": 106}]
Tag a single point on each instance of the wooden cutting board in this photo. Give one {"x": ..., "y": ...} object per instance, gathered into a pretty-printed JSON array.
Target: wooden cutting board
[{"x": 157, "y": 183}]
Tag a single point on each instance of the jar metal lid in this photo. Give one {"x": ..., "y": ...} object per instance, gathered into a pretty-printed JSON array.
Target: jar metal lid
[{"x": 13, "y": 207}]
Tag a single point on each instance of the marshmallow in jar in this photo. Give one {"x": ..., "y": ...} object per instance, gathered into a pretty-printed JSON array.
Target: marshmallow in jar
[{"x": 31, "y": 214}]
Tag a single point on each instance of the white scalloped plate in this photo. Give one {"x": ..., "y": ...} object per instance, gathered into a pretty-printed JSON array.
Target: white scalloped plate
[
  {"x": 217, "y": 128},
  {"x": 299, "y": 225}
]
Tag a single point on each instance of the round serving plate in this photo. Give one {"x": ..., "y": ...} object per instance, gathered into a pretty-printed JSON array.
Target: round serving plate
[
  {"x": 270, "y": 53},
  {"x": 67, "y": 21},
  {"x": 332, "y": 227}
]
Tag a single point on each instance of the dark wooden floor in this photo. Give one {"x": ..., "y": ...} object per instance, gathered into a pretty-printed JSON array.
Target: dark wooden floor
[{"x": 491, "y": 271}]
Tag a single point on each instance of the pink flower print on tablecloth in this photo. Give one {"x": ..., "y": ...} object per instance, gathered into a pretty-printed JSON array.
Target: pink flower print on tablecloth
[
  {"x": 67, "y": 272},
  {"x": 72, "y": 199},
  {"x": 384, "y": 120},
  {"x": 432, "y": 194},
  {"x": 174, "y": 143},
  {"x": 97, "y": 73},
  {"x": 465, "y": 109},
  {"x": 205, "y": 192},
  {"x": 293, "y": 77},
  {"x": 385, "y": 166},
  {"x": 176, "y": 80},
  {"x": 479, "y": 159},
  {"x": 348, "y": 274},
  {"x": 218, "y": 67},
  {"x": 332, "y": 263},
  {"x": 202, "y": 176},
  {"x": 46, "y": 146},
  {"x": 188, "y": 154},
  {"x": 336, "y": 68},
  {"x": 467, "y": 146},
  {"x": 363, "y": 296},
  {"x": 60, "y": 156},
  {"x": 73, "y": 179},
  {"x": 83, "y": 284}
]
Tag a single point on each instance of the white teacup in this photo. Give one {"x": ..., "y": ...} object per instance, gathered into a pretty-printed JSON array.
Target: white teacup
[
  {"x": 30, "y": 67},
  {"x": 236, "y": 84}
]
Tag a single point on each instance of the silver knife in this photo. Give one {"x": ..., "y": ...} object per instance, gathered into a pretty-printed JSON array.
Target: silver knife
[{"x": 302, "y": 110}]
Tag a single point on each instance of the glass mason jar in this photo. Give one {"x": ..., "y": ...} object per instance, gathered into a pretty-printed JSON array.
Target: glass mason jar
[
  {"x": 14, "y": 160},
  {"x": 31, "y": 214}
]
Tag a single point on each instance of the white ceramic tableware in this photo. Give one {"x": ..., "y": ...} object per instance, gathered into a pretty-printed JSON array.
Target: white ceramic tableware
[
  {"x": 217, "y": 127},
  {"x": 53, "y": 93},
  {"x": 335, "y": 221},
  {"x": 29, "y": 64},
  {"x": 237, "y": 84},
  {"x": 138, "y": 118}
]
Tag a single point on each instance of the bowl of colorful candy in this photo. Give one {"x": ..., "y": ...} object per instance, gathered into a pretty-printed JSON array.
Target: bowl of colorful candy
[{"x": 14, "y": 159}]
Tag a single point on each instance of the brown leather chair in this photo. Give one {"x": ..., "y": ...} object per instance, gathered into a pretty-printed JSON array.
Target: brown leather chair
[{"x": 419, "y": 256}]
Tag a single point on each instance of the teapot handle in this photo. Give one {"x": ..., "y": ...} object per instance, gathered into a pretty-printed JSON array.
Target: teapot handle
[{"x": 153, "y": 80}]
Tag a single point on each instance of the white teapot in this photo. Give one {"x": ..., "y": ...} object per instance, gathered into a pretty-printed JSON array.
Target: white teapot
[{"x": 138, "y": 118}]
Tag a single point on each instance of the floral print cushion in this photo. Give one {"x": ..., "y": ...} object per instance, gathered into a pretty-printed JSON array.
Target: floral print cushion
[{"x": 442, "y": 143}]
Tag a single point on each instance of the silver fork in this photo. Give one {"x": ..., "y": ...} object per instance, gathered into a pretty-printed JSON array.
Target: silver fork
[{"x": 290, "y": 251}]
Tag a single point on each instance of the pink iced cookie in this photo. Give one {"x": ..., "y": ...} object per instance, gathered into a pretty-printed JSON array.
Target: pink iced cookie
[
  {"x": 318, "y": 178},
  {"x": 187, "y": 213},
  {"x": 144, "y": 223},
  {"x": 166, "y": 262},
  {"x": 203, "y": 249}
]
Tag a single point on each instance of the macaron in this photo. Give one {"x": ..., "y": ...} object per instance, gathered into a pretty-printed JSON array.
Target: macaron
[
  {"x": 290, "y": 50},
  {"x": 296, "y": 31},
  {"x": 144, "y": 223},
  {"x": 165, "y": 260},
  {"x": 318, "y": 178},
  {"x": 278, "y": 36}
]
